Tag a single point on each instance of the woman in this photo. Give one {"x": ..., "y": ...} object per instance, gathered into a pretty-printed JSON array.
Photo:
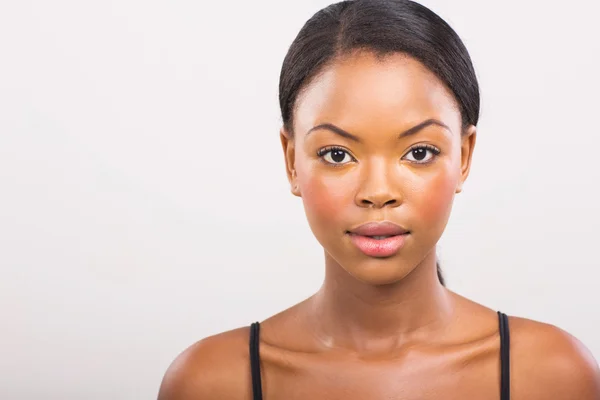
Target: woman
[{"x": 380, "y": 104}]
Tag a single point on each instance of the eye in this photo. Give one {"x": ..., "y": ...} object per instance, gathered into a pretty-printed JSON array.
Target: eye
[
  {"x": 335, "y": 155},
  {"x": 422, "y": 154}
]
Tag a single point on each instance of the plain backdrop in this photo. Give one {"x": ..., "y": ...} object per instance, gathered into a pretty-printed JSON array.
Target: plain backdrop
[{"x": 143, "y": 197}]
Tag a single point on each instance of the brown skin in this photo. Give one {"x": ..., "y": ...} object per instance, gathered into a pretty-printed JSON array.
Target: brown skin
[{"x": 382, "y": 328}]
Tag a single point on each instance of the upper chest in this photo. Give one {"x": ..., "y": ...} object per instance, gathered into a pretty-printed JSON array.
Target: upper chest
[{"x": 415, "y": 375}]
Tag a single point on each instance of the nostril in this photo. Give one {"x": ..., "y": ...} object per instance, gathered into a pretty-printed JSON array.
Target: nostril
[
  {"x": 391, "y": 202},
  {"x": 378, "y": 201}
]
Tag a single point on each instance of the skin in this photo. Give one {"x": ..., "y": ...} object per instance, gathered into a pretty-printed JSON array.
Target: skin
[{"x": 382, "y": 328}]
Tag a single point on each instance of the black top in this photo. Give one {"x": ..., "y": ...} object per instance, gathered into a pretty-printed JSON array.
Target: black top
[{"x": 504, "y": 359}]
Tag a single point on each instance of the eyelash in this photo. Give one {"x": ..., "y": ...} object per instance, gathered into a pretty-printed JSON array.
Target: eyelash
[
  {"x": 434, "y": 150},
  {"x": 321, "y": 153}
]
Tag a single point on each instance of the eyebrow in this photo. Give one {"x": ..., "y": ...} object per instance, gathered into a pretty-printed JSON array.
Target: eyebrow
[{"x": 411, "y": 131}]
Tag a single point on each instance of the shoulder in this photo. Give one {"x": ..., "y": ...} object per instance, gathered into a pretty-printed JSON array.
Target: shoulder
[
  {"x": 547, "y": 362},
  {"x": 216, "y": 367}
]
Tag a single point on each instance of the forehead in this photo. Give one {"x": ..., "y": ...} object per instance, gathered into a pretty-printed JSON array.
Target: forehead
[{"x": 362, "y": 90}]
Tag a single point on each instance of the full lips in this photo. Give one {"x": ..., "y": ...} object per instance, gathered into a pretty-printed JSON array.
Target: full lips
[{"x": 378, "y": 247}]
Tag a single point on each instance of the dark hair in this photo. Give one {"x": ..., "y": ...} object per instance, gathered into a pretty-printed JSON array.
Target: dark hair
[{"x": 383, "y": 27}]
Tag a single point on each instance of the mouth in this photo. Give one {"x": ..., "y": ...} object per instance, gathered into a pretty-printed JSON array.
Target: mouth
[
  {"x": 379, "y": 229},
  {"x": 379, "y": 246},
  {"x": 376, "y": 237},
  {"x": 379, "y": 239}
]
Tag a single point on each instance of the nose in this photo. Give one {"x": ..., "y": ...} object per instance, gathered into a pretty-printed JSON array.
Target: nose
[{"x": 379, "y": 187}]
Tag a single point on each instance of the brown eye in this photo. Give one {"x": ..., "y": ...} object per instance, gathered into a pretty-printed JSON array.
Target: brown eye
[
  {"x": 335, "y": 156},
  {"x": 422, "y": 154},
  {"x": 419, "y": 154}
]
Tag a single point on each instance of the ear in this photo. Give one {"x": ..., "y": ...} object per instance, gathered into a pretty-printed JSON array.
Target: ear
[
  {"x": 467, "y": 146},
  {"x": 289, "y": 152}
]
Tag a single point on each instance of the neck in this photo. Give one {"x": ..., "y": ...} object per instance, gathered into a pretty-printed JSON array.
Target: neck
[{"x": 356, "y": 316}]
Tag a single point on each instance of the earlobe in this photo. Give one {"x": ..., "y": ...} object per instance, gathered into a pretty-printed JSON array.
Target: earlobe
[
  {"x": 296, "y": 190},
  {"x": 459, "y": 187}
]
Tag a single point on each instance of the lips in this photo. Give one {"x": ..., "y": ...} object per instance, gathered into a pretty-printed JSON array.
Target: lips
[
  {"x": 379, "y": 239},
  {"x": 379, "y": 229}
]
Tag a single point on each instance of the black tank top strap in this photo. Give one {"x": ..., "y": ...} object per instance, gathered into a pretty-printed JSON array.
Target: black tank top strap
[
  {"x": 504, "y": 357},
  {"x": 255, "y": 361}
]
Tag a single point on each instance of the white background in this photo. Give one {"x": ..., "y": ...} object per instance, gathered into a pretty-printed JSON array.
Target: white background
[{"x": 143, "y": 198}]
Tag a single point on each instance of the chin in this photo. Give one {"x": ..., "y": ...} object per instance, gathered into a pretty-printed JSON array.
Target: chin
[{"x": 379, "y": 271}]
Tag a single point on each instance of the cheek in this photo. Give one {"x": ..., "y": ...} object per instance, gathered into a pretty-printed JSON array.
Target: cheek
[
  {"x": 433, "y": 201},
  {"x": 324, "y": 195}
]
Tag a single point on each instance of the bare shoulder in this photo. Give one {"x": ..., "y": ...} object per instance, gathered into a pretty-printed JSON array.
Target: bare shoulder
[
  {"x": 216, "y": 367},
  {"x": 548, "y": 362}
]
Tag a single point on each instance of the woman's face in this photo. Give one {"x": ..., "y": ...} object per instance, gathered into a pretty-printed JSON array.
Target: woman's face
[{"x": 358, "y": 156}]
